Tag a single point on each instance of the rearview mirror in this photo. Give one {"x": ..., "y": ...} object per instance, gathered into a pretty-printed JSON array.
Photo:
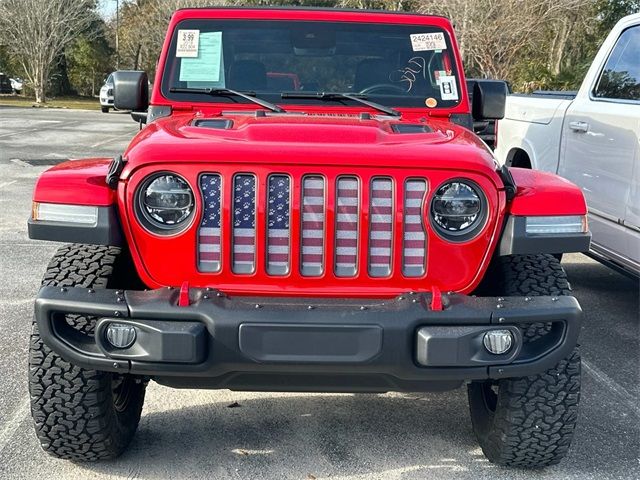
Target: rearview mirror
[
  {"x": 130, "y": 90},
  {"x": 487, "y": 98}
]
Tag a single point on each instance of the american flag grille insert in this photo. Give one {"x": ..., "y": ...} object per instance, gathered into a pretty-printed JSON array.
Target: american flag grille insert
[
  {"x": 414, "y": 240},
  {"x": 352, "y": 228},
  {"x": 209, "y": 232},
  {"x": 278, "y": 230},
  {"x": 313, "y": 218},
  {"x": 347, "y": 226},
  {"x": 244, "y": 224},
  {"x": 380, "y": 227}
]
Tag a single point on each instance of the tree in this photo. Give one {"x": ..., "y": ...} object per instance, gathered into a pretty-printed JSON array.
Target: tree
[
  {"x": 494, "y": 34},
  {"x": 88, "y": 63},
  {"x": 37, "y": 33},
  {"x": 143, "y": 26}
]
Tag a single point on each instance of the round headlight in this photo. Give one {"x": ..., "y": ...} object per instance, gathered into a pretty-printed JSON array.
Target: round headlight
[
  {"x": 458, "y": 210},
  {"x": 165, "y": 202}
]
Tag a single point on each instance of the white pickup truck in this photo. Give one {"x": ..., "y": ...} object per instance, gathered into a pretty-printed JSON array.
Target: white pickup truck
[{"x": 592, "y": 138}]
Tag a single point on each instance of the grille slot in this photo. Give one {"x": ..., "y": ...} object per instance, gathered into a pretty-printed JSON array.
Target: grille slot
[
  {"x": 278, "y": 228},
  {"x": 313, "y": 218},
  {"x": 347, "y": 226},
  {"x": 244, "y": 224},
  {"x": 414, "y": 240},
  {"x": 209, "y": 244},
  {"x": 380, "y": 227}
]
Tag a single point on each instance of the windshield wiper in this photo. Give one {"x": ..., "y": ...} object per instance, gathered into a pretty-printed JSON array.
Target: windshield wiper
[
  {"x": 356, "y": 97},
  {"x": 227, "y": 91}
]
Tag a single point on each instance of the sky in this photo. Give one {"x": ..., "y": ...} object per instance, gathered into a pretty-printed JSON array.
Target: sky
[{"x": 107, "y": 8}]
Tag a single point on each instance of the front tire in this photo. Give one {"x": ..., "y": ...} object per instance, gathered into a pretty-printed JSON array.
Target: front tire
[
  {"x": 527, "y": 421},
  {"x": 79, "y": 414},
  {"x": 104, "y": 109}
]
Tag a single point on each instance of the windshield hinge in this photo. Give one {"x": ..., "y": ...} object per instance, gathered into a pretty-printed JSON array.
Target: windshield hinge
[
  {"x": 509, "y": 184},
  {"x": 115, "y": 169}
]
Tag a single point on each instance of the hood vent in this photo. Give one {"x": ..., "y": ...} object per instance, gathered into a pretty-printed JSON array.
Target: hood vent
[
  {"x": 410, "y": 128},
  {"x": 219, "y": 123}
]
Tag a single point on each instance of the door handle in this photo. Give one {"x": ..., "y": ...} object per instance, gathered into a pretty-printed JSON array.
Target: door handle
[{"x": 579, "y": 127}]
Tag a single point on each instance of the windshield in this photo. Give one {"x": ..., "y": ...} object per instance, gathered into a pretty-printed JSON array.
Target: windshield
[{"x": 394, "y": 65}]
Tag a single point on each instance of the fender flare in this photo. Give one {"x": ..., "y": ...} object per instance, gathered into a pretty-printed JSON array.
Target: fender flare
[{"x": 77, "y": 183}]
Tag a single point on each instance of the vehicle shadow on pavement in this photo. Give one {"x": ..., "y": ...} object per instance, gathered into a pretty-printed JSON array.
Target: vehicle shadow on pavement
[
  {"x": 604, "y": 280},
  {"x": 281, "y": 436},
  {"x": 304, "y": 436}
]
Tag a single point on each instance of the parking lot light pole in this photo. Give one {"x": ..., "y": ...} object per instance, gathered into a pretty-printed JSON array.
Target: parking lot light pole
[{"x": 117, "y": 32}]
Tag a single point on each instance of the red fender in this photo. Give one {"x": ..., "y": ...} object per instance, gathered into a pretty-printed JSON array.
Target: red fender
[
  {"x": 542, "y": 193},
  {"x": 76, "y": 182}
]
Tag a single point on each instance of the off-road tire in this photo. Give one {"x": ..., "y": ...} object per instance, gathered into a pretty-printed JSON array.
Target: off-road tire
[
  {"x": 528, "y": 421},
  {"x": 82, "y": 415},
  {"x": 104, "y": 109}
]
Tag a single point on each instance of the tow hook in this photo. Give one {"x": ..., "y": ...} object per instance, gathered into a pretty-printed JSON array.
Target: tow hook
[{"x": 183, "y": 298}]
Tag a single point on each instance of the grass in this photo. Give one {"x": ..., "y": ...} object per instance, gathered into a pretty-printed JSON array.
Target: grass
[{"x": 84, "y": 103}]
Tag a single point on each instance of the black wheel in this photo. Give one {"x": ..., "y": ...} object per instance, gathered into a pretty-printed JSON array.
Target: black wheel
[
  {"x": 527, "y": 421},
  {"x": 83, "y": 415},
  {"x": 104, "y": 109}
]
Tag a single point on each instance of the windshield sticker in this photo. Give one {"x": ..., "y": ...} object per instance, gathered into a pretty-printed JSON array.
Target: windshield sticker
[
  {"x": 207, "y": 65},
  {"x": 421, "y": 42},
  {"x": 438, "y": 74},
  {"x": 187, "y": 43},
  {"x": 448, "y": 88},
  {"x": 431, "y": 102},
  {"x": 415, "y": 69}
]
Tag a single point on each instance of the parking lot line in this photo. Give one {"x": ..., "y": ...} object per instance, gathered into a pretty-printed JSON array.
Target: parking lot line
[
  {"x": 20, "y": 132},
  {"x": 624, "y": 396},
  {"x": 17, "y": 161},
  {"x": 109, "y": 140},
  {"x": 12, "y": 425},
  {"x": 6, "y": 184}
]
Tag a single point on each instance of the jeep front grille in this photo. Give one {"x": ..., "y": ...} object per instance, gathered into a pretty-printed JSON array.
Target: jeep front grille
[{"x": 342, "y": 219}]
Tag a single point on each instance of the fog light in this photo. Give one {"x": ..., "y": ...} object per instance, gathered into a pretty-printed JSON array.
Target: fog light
[
  {"x": 120, "y": 335},
  {"x": 498, "y": 341}
]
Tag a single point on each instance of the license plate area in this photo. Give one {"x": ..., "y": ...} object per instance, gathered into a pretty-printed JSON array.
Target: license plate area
[{"x": 309, "y": 343}]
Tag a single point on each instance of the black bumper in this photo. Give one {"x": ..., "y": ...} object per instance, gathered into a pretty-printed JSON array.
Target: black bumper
[{"x": 293, "y": 344}]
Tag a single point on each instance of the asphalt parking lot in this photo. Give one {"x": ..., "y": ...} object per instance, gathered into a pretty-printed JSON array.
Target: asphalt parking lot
[{"x": 194, "y": 434}]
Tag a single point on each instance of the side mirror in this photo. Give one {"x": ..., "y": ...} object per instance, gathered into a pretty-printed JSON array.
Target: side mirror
[
  {"x": 487, "y": 98},
  {"x": 130, "y": 90}
]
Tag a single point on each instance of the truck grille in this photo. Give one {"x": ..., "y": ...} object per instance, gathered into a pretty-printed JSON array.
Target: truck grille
[{"x": 339, "y": 219}]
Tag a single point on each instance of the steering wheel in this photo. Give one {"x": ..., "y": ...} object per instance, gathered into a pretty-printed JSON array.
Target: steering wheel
[{"x": 383, "y": 86}]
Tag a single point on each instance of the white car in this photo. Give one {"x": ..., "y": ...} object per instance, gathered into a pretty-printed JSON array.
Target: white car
[
  {"x": 106, "y": 94},
  {"x": 592, "y": 138},
  {"x": 16, "y": 85}
]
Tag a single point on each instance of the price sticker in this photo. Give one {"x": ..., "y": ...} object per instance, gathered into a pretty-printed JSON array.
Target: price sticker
[
  {"x": 422, "y": 42},
  {"x": 188, "y": 41}
]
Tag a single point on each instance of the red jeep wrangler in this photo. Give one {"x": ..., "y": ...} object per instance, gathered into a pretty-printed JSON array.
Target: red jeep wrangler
[{"x": 307, "y": 209}]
